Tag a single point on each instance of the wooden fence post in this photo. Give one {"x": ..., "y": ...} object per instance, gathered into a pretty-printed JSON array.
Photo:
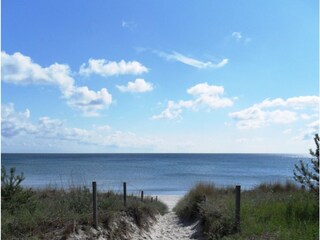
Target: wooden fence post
[
  {"x": 141, "y": 196},
  {"x": 237, "y": 213},
  {"x": 94, "y": 200},
  {"x": 125, "y": 194}
]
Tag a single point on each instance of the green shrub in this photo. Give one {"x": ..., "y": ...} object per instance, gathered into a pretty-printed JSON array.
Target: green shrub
[
  {"x": 188, "y": 208},
  {"x": 309, "y": 177},
  {"x": 13, "y": 196},
  {"x": 10, "y": 184},
  {"x": 78, "y": 200},
  {"x": 216, "y": 222},
  {"x": 211, "y": 207},
  {"x": 277, "y": 187}
]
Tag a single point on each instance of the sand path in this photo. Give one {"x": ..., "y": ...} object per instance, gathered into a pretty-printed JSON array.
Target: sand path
[{"x": 168, "y": 226}]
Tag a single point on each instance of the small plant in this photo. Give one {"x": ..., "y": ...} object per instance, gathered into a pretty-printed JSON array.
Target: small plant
[
  {"x": 306, "y": 176},
  {"x": 13, "y": 196},
  {"x": 10, "y": 184}
]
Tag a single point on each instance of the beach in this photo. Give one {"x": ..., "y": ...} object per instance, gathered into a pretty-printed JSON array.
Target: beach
[{"x": 170, "y": 200}]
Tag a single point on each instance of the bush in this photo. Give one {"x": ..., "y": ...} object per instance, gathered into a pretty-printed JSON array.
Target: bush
[
  {"x": 13, "y": 196},
  {"x": 309, "y": 177},
  {"x": 188, "y": 208},
  {"x": 216, "y": 221},
  {"x": 211, "y": 207},
  {"x": 277, "y": 187},
  {"x": 10, "y": 184}
]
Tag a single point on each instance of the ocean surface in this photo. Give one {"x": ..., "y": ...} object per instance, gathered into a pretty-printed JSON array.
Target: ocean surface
[{"x": 171, "y": 174}]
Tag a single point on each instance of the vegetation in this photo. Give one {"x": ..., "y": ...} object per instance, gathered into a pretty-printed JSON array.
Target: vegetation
[
  {"x": 269, "y": 211},
  {"x": 212, "y": 207},
  {"x": 13, "y": 196},
  {"x": 309, "y": 177},
  {"x": 57, "y": 213}
]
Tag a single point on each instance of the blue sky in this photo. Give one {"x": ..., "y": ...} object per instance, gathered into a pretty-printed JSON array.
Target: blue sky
[{"x": 160, "y": 76}]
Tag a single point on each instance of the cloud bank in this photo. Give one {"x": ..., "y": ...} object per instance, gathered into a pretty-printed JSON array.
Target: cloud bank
[
  {"x": 18, "y": 125},
  {"x": 277, "y": 111}
]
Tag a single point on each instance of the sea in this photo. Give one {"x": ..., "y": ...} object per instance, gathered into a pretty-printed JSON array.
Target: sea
[{"x": 155, "y": 174}]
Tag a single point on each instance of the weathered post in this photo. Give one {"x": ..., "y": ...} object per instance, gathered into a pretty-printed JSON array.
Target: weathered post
[
  {"x": 141, "y": 196},
  {"x": 237, "y": 213},
  {"x": 151, "y": 199},
  {"x": 156, "y": 198},
  {"x": 94, "y": 200},
  {"x": 125, "y": 194}
]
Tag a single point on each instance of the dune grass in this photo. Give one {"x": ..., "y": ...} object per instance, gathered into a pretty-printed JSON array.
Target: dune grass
[
  {"x": 56, "y": 213},
  {"x": 269, "y": 211}
]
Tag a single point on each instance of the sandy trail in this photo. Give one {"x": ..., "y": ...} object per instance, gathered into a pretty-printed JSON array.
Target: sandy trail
[{"x": 168, "y": 226}]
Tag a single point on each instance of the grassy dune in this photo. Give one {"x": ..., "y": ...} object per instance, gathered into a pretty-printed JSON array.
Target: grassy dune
[
  {"x": 270, "y": 211},
  {"x": 55, "y": 214}
]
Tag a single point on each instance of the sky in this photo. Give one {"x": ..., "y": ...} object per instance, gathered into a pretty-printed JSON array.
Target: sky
[{"x": 159, "y": 76}]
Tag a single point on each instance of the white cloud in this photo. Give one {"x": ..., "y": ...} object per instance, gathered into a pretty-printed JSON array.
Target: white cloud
[
  {"x": 129, "y": 24},
  {"x": 21, "y": 70},
  {"x": 237, "y": 35},
  {"x": 18, "y": 125},
  {"x": 13, "y": 123},
  {"x": 106, "y": 68},
  {"x": 205, "y": 88},
  {"x": 138, "y": 86},
  {"x": 308, "y": 131},
  {"x": 276, "y": 111},
  {"x": 174, "y": 56},
  {"x": 205, "y": 95},
  {"x": 305, "y": 116},
  {"x": 248, "y": 140},
  {"x": 287, "y": 131},
  {"x": 294, "y": 102},
  {"x": 172, "y": 111},
  {"x": 314, "y": 124},
  {"x": 209, "y": 95},
  {"x": 256, "y": 118},
  {"x": 88, "y": 101}
]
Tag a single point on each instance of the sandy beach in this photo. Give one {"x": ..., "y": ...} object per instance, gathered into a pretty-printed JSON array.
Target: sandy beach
[{"x": 170, "y": 200}]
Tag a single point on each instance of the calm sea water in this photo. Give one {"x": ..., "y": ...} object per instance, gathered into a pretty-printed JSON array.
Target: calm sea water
[{"x": 153, "y": 173}]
